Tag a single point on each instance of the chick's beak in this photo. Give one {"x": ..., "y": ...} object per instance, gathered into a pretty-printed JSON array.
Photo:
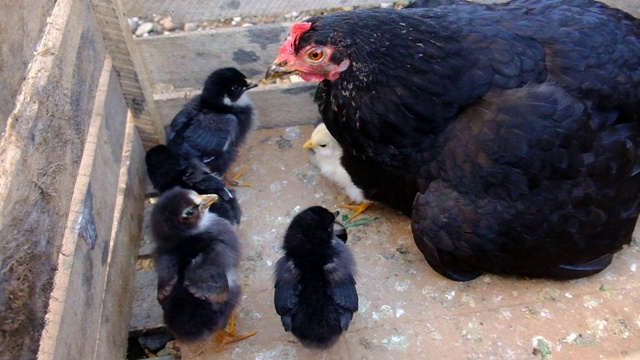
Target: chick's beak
[
  {"x": 276, "y": 70},
  {"x": 308, "y": 144},
  {"x": 207, "y": 200},
  {"x": 250, "y": 85}
]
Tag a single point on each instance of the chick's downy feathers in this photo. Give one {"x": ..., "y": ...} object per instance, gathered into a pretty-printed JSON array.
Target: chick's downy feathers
[
  {"x": 196, "y": 258},
  {"x": 315, "y": 293}
]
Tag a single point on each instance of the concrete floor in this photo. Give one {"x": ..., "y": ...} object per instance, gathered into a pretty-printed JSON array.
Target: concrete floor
[{"x": 408, "y": 311}]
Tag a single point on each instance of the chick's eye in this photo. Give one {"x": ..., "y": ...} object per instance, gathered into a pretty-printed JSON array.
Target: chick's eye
[
  {"x": 189, "y": 212},
  {"x": 315, "y": 54},
  {"x": 235, "y": 88},
  {"x": 323, "y": 145}
]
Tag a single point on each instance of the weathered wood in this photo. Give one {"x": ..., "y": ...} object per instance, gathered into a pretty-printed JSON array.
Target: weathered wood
[
  {"x": 76, "y": 299},
  {"x": 147, "y": 313},
  {"x": 21, "y": 25},
  {"x": 129, "y": 65},
  {"x": 186, "y": 11},
  {"x": 277, "y": 105},
  {"x": 40, "y": 154},
  {"x": 118, "y": 292},
  {"x": 184, "y": 60}
]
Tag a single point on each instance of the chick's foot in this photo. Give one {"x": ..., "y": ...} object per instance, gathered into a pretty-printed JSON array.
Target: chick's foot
[
  {"x": 235, "y": 179},
  {"x": 228, "y": 335}
]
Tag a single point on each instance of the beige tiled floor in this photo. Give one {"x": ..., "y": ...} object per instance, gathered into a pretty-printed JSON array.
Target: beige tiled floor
[{"x": 408, "y": 311}]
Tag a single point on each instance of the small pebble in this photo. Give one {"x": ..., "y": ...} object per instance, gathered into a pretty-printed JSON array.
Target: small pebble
[
  {"x": 292, "y": 133},
  {"x": 189, "y": 27},
  {"x": 167, "y": 24},
  {"x": 144, "y": 29},
  {"x": 133, "y": 23}
]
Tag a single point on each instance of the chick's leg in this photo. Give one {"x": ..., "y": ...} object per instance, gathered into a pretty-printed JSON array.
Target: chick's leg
[
  {"x": 228, "y": 335},
  {"x": 234, "y": 180},
  {"x": 359, "y": 209}
]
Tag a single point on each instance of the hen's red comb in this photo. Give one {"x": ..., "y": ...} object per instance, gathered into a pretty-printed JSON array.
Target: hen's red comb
[{"x": 298, "y": 28}]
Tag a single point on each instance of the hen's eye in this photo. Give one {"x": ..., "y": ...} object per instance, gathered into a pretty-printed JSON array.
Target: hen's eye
[
  {"x": 235, "y": 88},
  {"x": 315, "y": 54},
  {"x": 189, "y": 212}
]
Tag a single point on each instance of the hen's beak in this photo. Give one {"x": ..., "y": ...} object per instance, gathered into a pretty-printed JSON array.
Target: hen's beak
[
  {"x": 308, "y": 144},
  {"x": 276, "y": 70},
  {"x": 207, "y": 200}
]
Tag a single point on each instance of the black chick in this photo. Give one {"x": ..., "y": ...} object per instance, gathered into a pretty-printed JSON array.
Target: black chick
[
  {"x": 165, "y": 173},
  {"x": 213, "y": 124},
  {"x": 198, "y": 177},
  {"x": 163, "y": 168},
  {"x": 315, "y": 290},
  {"x": 196, "y": 258}
]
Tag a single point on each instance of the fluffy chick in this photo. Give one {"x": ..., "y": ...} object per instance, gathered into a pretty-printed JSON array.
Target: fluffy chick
[
  {"x": 199, "y": 178},
  {"x": 315, "y": 290},
  {"x": 212, "y": 125},
  {"x": 327, "y": 158},
  {"x": 165, "y": 173},
  {"x": 163, "y": 168},
  {"x": 196, "y": 258}
]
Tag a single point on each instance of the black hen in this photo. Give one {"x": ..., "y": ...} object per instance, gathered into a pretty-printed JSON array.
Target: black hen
[
  {"x": 518, "y": 121},
  {"x": 196, "y": 258},
  {"x": 315, "y": 290},
  {"x": 213, "y": 124}
]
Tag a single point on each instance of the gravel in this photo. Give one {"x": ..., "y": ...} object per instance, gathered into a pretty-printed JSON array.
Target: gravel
[{"x": 163, "y": 25}]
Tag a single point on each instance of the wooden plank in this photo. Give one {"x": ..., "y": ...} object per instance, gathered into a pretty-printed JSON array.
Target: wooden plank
[
  {"x": 76, "y": 299},
  {"x": 147, "y": 313},
  {"x": 21, "y": 25},
  {"x": 118, "y": 292},
  {"x": 129, "y": 65},
  {"x": 40, "y": 153},
  {"x": 184, "y": 60},
  {"x": 277, "y": 105},
  {"x": 187, "y": 11}
]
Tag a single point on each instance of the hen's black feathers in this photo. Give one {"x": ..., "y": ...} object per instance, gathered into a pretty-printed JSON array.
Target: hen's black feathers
[
  {"x": 494, "y": 181},
  {"x": 518, "y": 121},
  {"x": 315, "y": 293}
]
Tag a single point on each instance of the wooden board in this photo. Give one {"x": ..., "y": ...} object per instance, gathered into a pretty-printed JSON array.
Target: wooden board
[
  {"x": 76, "y": 299},
  {"x": 118, "y": 292},
  {"x": 21, "y": 25},
  {"x": 184, "y": 60},
  {"x": 187, "y": 11},
  {"x": 277, "y": 105},
  {"x": 131, "y": 71},
  {"x": 40, "y": 154},
  {"x": 147, "y": 313}
]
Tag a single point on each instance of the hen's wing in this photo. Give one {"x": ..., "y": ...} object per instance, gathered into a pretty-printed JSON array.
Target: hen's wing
[
  {"x": 287, "y": 289},
  {"x": 526, "y": 165}
]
